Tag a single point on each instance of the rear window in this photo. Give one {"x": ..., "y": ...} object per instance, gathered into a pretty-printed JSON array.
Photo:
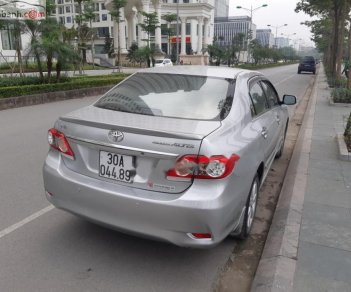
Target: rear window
[
  {"x": 159, "y": 61},
  {"x": 172, "y": 95},
  {"x": 308, "y": 60}
]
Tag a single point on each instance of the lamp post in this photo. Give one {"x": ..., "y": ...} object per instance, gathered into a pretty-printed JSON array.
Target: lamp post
[
  {"x": 276, "y": 31},
  {"x": 288, "y": 36},
  {"x": 251, "y": 10}
]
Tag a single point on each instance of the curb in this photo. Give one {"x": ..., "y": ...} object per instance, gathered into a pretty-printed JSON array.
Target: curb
[
  {"x": 344, "y": 154},
  {"x": 20, "y": 101},
  {"x": 277, "y": 265}
]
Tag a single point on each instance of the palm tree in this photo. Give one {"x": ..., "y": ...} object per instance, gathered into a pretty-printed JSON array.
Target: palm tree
[
  {"x": 169, "y": 18},
  {"x": 117, "y": 5},
  {"x": 34, "y": 29},
  {"x": 89, "y": 15}
]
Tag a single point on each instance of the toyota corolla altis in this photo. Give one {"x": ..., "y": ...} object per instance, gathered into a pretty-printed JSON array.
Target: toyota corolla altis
[{"x": 176, "y": 153}]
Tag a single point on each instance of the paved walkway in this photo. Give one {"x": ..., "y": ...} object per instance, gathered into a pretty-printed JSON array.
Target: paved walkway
[{"x": 309, "y": 243}]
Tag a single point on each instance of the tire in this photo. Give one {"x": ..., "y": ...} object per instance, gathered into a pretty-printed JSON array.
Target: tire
[
  {"x": 314, "y": 72},
  {"x": 281, "y": 149},
  {"x": 299, "y": 72},
  {"x": 250, "y": 210}
]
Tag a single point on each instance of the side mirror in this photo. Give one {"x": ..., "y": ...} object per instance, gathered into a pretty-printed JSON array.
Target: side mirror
[{"x": 289, "y": 99}]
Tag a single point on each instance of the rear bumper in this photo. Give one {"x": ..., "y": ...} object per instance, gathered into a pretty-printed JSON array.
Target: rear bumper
[
  {"x": 168, "y": 217},
  {"x": 307, "y": 69}
]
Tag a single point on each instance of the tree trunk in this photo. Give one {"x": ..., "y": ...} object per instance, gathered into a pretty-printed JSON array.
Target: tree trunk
[
  {"x": 40, "y": 67},
  {"x": 118, "y": 48},
  {"x": 349, "y": 55},
  {"x": 342, "y": 11},
  {"x": 92, "y": 44}
]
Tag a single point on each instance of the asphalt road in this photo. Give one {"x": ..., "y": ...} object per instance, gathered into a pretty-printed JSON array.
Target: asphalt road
[{"x": 45, "y": 249}]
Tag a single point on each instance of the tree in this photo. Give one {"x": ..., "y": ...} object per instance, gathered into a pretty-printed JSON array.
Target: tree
[
  {"x": 132, "y": 55},
  {"x": 150, "y": 24},
  {"x": 169, "y": 18},
  {"x": 117, "y": 5},
  {"x": 337, "y": 11},
  {"x": 34, "y": 29},
  {"x": 89, "y": 15},
  {"x": 108, "y": 46},
  {"x": 79, "y": 20}
]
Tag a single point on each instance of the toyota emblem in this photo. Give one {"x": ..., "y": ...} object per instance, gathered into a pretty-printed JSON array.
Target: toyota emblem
[{"x": 115, "y": 136}]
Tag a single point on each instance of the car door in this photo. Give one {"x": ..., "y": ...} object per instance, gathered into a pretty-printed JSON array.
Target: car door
[
  {"x": 263, "y": 121},
  {"x": 278, "y": 127}
]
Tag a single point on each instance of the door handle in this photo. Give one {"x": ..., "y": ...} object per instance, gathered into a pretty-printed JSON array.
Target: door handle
[
  {"x": 264, "y": 132},
  {"x": 277, "y": 118}
]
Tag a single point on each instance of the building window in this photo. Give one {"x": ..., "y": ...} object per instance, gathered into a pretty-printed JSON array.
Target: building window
[
  {"x": 103, "y": 6},
  {"x": 60, "y": 10},
  {"x": 68, "y": 19},
  {"x": 97, "y": 6},
  {"x": 103, "y": 17},
  {"x": 7, "y": 39},
  {"x": 103, "y": 32},
  {"x": 61, "y": 20},
  {"x": 59, "y": 1},
  {"x": 188, "y": 29},
  {"x": 68, "y": 9}
]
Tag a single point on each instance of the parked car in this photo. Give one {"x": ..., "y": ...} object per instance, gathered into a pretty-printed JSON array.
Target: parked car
[
  {"x": 163, "y": 62},
  {"x": 307, "y": 64},
  {"x": 176, "y": 154}
]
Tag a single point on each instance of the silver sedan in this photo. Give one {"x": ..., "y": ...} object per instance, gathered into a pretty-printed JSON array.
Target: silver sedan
[{"x": 175, "y": 154}]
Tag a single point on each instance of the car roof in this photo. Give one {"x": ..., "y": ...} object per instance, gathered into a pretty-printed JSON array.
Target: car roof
[{"x": 194, "y": 70}]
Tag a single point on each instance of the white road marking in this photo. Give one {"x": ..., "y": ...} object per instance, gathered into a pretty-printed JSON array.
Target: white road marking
[
  {"x": 282, "y": 81},
  {"x": 23, "y": 222}
]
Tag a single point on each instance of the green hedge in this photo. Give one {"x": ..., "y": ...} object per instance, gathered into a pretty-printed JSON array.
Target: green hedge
[
  {"x": 74, "y": 83},
  {"x": 341, "y": 95},
  {"x": 347, "y": 133}
]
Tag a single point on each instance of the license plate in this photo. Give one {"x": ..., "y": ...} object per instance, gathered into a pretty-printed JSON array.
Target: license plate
[{"x": 116, "y": 166}]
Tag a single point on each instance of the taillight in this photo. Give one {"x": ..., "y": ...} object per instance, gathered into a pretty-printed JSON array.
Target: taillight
[
  {"x": 201, "y": 235},
  {"x": 58, "y": 141},
  {"x": 202, "y": 167}
]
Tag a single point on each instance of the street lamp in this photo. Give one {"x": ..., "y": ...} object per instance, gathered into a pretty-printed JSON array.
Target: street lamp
[
  {"x": 276, "y": 31},
  {"x": 251, "y": 10},
  {"x": 288, "y": 36}
]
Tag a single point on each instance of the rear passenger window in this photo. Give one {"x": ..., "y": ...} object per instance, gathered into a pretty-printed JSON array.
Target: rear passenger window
[
  {"x": 258, "y": 99},
  {"x": 272, "y": 96}
]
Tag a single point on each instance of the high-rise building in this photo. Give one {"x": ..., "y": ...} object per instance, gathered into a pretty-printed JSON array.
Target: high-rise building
[
  {"x": 226, "y": 28},
  {"x": 221, "y": 8},
  {"x": 265, "y": 37},
  {"x": 281, "y": 42}
]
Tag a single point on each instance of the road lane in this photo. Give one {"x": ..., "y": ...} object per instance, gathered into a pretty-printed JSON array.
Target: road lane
[
  {"x": 59, "y": 252},
  {"x": 23, "y": 148}
]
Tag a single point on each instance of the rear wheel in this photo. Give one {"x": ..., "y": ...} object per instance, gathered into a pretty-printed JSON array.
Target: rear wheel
[
  {"x": 280, "y": 151},
  {"x": 298, "y": 72},
  {"x": 250, "y": 209}
]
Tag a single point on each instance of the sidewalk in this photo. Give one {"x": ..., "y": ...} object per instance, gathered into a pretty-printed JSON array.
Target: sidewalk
[{"x": 309, "y": 243}]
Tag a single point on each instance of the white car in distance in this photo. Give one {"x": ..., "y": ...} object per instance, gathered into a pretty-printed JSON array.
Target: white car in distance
[{"x": 163, "y": 62}]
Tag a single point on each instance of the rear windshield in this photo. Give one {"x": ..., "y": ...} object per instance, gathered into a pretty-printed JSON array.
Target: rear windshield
[
  {"x": 159, "y": 61},
  {"x": 308, "y": 60},
  {"x": 172, "y": 95}
]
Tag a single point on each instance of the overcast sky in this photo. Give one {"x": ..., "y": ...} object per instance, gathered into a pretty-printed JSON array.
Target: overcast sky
[{"x": 277, "y": 13}]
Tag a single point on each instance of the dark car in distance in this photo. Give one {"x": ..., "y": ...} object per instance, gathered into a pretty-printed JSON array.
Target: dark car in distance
[{"x": 307, "y": 64}]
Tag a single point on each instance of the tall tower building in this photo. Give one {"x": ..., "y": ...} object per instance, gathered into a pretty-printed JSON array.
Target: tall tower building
[{"x": 221, "y": 8}]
